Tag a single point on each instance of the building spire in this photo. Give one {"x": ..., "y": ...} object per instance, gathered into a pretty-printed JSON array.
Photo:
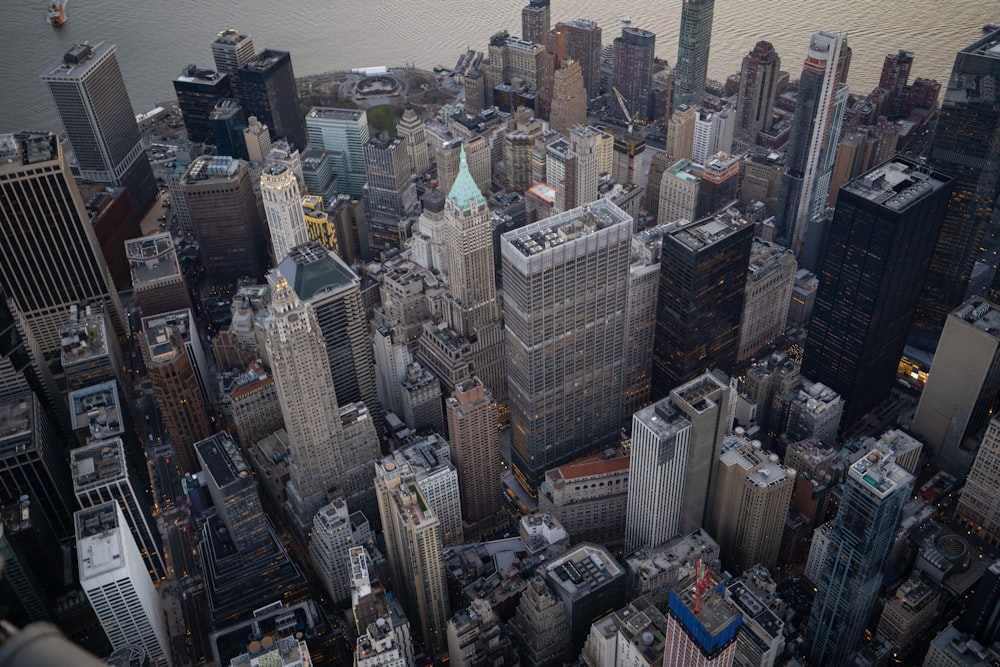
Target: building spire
[{"x": 464, "y": 192}]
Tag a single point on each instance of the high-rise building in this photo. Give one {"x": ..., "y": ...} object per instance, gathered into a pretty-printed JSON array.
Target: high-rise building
[
  {"x": 198, "y": 91},
  {"x": 812, "y": 146},
  {"x": 701, "y": 623},
  {"x": 321, "y": 279},
  {"x": 569, "y": 98},
  {"x": 257, "y": 139},
  {"x": 219, "y": 196},
  {"x": 977, "y": 508},
  {"x": 582, "y": 39},
  {"x": 87, "y": 86},
  {"x": 578, "y": 261},
  {"x": 770, "y": 278},
  {"x": 30, "y": 551},
  {"x": 61, "y": 263},
  {"x": 411, "y": 130},
  {"x": 720, "y": 183},
  {"x": 101, "y": 474},
  {"x": 228, "y": 125},
  {"x": 644, "y": 283},
  {"x": 157, "y": 281},
  {"x": 634, "y": 69},
  {"x": 895, "y": 76},
  {"x": 970, "y": 115},
  {"x": 535, "y": 21},
  {"x": 713, "y": 133},
  {"x": 390, "y": 193},
  {"x": 476, "y": 637},
  {"x": 961, "y": 390},
  {"x": 861, "y": 535},
  {"x": 267, "y": 90},
  {"x": 114, "y": 579},
  {"x": 472, "y": 431},
  {"x": 231, "y": 50},
  {"x": 909, "y": 615},
  {"x": 627, "y": 637},
  {"x": 694, "y": 40},
  {"x": 750, "y": 498},
  {"x": 329, "y": 546},
  {"x": 302, "y": 376},
  {"x": 758, "y": 90},
  {"x": 282, "y": 199},
  {"x": 881, "y": 241},
  {"x": 183, "y": 321},
  {"x": 344, "y": 132},
  {"x": 680, "y": 187},
  {"x": 589, "y": 497},
  {"x": 676, "y": 443},
  {"x": 703, "y": 275},
  {"x": 760, "y": 639}
]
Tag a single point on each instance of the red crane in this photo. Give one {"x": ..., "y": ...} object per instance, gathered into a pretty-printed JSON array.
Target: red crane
[{"x": 702, "y": 582}]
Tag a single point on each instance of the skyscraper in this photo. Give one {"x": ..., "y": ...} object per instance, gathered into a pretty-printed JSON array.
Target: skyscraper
[
  {"x": 861, "y": 535},
  {"x": 114, "y": 579},
  {"x": 693, "y": 44},
  {"x": 770, "y": 279},
  {"x": 634, "y": 69},
  {"x": 198, "y": 91},
  {"x": 60, "y": 264},
  {"x": 569, "y": 98},
  {"x": 758, "y": 89},
  {"x": 87, "y": 86},
  {"x": 703, "y": 273},
  {"x": 881, "y": 242},
  {"x": 345, "y": 133},
  {"x": 582, "y": 40},
  {"x": 231, "y": 50},
  {"x": 812, "y": 146},
  {"x": 564, "y": 401},
  {"x": 157, "y": 281},
  {"x": 535, "y": 21},
  {"x": 390, "y": 194},
  {"x": 977, "y": 508},
  {"x": 963, "y": 146},
  {"x": 328, "y": 548},
  {"x": 411, "y": 130},
  {"x": 701, "y": 624},
  {"x": 472, "y": 432},
  {"x": 267, "y": 90},
  {"x": 282, "y": 199}
]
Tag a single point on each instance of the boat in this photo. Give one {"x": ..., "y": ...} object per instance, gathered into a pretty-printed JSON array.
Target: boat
[
  {"x": 991, "y": 27},
  {"x": 57, "y": 12}
]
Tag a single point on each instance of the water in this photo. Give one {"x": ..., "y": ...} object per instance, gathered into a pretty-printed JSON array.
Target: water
[{"x": 157, "y": 38}]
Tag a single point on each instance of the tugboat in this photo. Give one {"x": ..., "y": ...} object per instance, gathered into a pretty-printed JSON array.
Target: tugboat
[{"x": 57, "y": 12}]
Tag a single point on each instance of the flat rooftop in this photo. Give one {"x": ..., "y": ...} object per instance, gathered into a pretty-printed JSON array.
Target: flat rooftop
[
  {"x": 585, "y": 568},
  {"x": 83, "y": 341},
  {"x": 330, "y": 113},
  {"x": 663, "y": 418},
  {"x": 97, "y": 464},
  {"x": 980, "y": 314},
  {"x": 97, "y": 409},
  {"x": 222, "y": 459},
  {"x": 98, "y": 540},
  {"x": 897, "y": 184},
  {"x": 16, "y": 416},
  {"x": 212, "y": 167},
  {"x": 566, "y": 227},
  {"x": 178, "y": 319},
  {"x": 751, "y": 607},
  {"x": 699, "y": 392},
  {"x": 75, "y": 63},
  {"x": 708, "y": 231},
  {"x": 878, "y": 472},
  {"x": 152, "y": 258},
  {"x": 717, "y": 614}
]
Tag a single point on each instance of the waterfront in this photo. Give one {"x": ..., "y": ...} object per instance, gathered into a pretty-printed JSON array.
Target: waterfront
[{"x": 157, "y": 39}]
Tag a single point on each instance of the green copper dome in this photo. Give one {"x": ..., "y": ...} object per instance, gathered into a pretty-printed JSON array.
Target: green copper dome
[{"x": 464, "y": 192}]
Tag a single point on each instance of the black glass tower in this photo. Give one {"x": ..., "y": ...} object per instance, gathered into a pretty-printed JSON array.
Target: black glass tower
[
  {"x": 198, "y": 91},
  {"x": 267, "y": 90}
]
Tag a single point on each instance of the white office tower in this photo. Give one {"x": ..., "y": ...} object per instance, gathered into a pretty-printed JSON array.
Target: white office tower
[
  {"x": 713, "y": 132},
  {"x": 100, "y": 475},
  {"x": 750, "y": 499},
  {"x": 770, "y": 279},
  {"x": 258, "y": 140},
  {"x": 283, "y": 208},
  {"x": 308, "y": 403},
  {"x": 113, "y": 576},
  {"x": 413, "y": 542},
  {"x": 661, "y": 437},
  {"x": 674, "y": 457},
  {"x": 392, "y": 356},
  {"x": 329, "y": 549}
]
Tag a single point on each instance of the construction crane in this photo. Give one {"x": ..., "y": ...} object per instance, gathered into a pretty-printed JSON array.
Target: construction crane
[
  {"x": 632, "y": 118},
  {"x": 702, "y": 582}
]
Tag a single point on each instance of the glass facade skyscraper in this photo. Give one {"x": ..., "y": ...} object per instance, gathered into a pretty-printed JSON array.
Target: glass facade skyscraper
[{"x": 693, "y": 44}]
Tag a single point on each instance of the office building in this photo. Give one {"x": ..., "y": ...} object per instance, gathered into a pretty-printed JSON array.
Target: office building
[
  {"x": 176, "y": 390},
  {"x": 908, "y": 615},
  {"x": 476, "y": 637},
  {"x": 632, "y": 635},
  {"x": 183, "y": 321},
  {"x": 961, "y": 147},
  {"x": 101, "y": 474},
  {"x": 231, "y": 50},
  {"x": 750, "y": 498},
  {"x": 282, "y": 200},
  {"x": 540, "y": 629},
  {"x": 472, "y": 432},
  {"x": 589, "y": 497},
  {"x": 228, "y": 124},
  {"x": 343, "y": 132},
  {"x": 760, "y": 639},
  {"x": 701, "y": 623},
  {"x": 680, "y": 133},
  {"x": 535, "y": 21},
  {"x": 60, "y": 265},
  {"x": 511, "y": 58},
  {"x": 329, "y": 546},
  {"x": 256, "y": 412},
  {"x": 713, "y": 133},
  {"x": 198, "y": 91},
  {"x": 245, "y": 566},
  {"x": 644, "y": 283},
  {"x": 157, "y": 281},
  {"x": 569, "y": 98},
  {"x": 977, "y": 507},
  {"x": 881, "y": 241},
  {"x": 87, "y": 87},
  {"x": 812, "y": 146},
  {"x": 875, "y": 491},
  {"x": 30, "y": 555},
  {"x": 695, "y": 37},
  {"x": 634, "y": 70},
  {"x": 411, "y": 131},
  {"x": 114, "y": 579},
  {"x": 88, "y": 353},
  {"x": 579, "y": 262},
  {"x": 324, "y": 281},
  {"x": 703, "y": 274},
  {"x": 390, "y": 193},
  {"x": 96, "y": 413},
  {"x": 654, "y": 573},
  {"x": 758, "y": 90},
  {"x": 680, "y": 187},
  {"x": 582, "y": 43},
  {"x": 720, "y": 182},
  {"x": 309, "y": 406},
  {"x": 31, "y": 462},
  {"x": 770, "y": 279},
  {"x": 267, "y": 90},
  {"x": 220, "y": 200},
  {"x": 961, "y": 390},
  {"x": 257, "y": 140}
]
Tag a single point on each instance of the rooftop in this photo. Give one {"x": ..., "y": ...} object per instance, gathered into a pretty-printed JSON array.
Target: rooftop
[
  {"x": 610, "y": 462},
  {"x": 700, "y": 393},
  {"x": 718, "y": 616},
  {"x": 98, "y": 540},
  {"x": 663, "y": 418},
  {"x": 16, "y": 416},
  {"x": 23, "y": 148},
  {"x": 152, "y": 258},
  {"x": 97, "y": 464},
  {"x": 329, "y": 113},
  {"x": 897, "y": 184},
  {"x": 83, "y": 340},
  {"x": 581, "y": 570},
  {"x": 751, "y": 606},
  {"x": 313, "y": 271},
  {"x": 706, "y": 232},
  {"x": 566, "y": 227},
  {"x": 878, "y": 473},
  {"x": 97, "y": 410},
  {"x": 980, "y": 314},
  {"x": 77, "y": 61},
  {"x": 222, "y": 459},
  {"x": 212, "y": 167}
]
